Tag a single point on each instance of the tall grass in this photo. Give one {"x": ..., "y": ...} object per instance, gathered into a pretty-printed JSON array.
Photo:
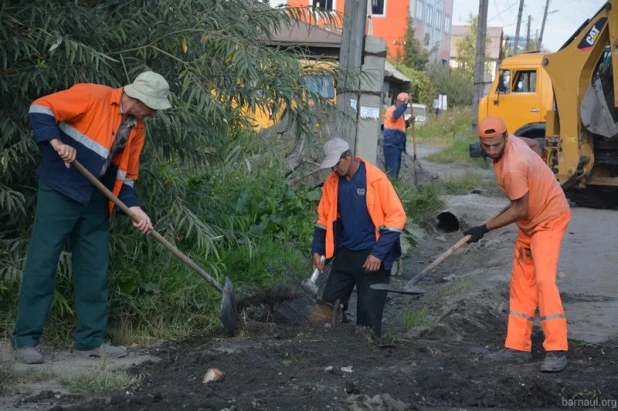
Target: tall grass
[
  {"x": 420, "y": 202},
  {"x": 417, "y": 318},
  {"x": 441, "y": 130},
  {"x": 262, "y": 233},
  {"x": 452, "y": 132},
  {"x": 458, "y": 152}
]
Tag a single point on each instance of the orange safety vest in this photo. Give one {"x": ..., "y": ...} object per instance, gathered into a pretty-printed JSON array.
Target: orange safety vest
[
  {"x": 383, "y": 204},
  {"x": 90, "y": 114}
]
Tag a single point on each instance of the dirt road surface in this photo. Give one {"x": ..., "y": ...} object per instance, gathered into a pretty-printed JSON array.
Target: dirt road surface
[{"x": 432, "y": 354}]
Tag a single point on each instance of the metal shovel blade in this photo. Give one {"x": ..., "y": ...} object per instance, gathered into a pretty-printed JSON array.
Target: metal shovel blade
[
  {"x": 229, "y": 310},
  {"x": 391, "y": 288},
  {"x": 310, "y": 287}
]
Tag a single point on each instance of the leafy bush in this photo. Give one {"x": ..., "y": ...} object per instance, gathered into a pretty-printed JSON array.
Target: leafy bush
[
  {"x": 420, "y": 202},
  {"x": 448, "y": 126},
  {"x": 421, "y": 88},
  {"x": 457, "y": 84},
  {"x": 216, "y": 57}
]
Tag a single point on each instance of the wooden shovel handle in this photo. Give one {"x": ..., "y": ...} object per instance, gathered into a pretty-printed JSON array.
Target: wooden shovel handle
[
  {"x": 450, "y": 251},
  {"x": 154, "y": 234}
]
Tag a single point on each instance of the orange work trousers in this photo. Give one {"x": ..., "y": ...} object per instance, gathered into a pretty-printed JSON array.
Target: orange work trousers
[{"x": 533, "y": 283}]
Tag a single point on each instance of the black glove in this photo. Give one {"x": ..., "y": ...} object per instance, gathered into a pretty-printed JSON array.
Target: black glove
[{"x": 476, "y": 233}]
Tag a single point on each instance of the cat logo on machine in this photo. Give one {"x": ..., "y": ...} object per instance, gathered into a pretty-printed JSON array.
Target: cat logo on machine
[{"x": 591, "y": 37}]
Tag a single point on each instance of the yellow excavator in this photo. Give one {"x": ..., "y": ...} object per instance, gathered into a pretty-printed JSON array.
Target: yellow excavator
[{"x": 581, "y": 138}]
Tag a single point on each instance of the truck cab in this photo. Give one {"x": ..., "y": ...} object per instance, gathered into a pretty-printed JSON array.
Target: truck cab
[{"x": 521, "y": 94}]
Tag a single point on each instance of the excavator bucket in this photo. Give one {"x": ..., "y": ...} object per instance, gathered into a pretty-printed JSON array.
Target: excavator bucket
[{"x": 595, "y": 113}]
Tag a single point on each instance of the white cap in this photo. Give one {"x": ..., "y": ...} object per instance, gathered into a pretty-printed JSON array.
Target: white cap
[{"x": 333, "y": 149}]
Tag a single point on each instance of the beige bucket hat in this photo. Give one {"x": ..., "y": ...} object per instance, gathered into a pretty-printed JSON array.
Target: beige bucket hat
[{"x": 151, "y": 89}]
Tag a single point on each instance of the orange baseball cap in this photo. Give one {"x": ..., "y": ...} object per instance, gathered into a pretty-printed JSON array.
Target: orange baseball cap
[
  {"x": 404, "y": 96},
  {"x": 491, "y": 127}
]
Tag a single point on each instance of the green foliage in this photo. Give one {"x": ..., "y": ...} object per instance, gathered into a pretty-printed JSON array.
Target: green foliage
[
  {"x": 217, "y": 57},
  {"x": 420, "y": 202},
  {"x": 457, "y": 287},
  {"x": 421, "y": 87},
  {"x": 417, "y": 318},
  {"x": 101, "y": 380},
  {"x": 442, "y": 130},
  {"x": 466, "y": 47},
  {"x": 413, "y": 54},
  {"x": 464, "y": 183},
  {"x": 458, "y": 152},
  {"x": 457, "y": 84}
]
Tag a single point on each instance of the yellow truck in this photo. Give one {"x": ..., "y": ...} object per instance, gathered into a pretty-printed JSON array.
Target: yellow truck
[
  {"x": 569, "y": 97},
  {"x": 521, "y": 94}
]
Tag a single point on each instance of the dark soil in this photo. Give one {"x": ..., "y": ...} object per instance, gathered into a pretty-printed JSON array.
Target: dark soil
[
  {"x": 278, "y": 362},
  {"x": 285, "y": 368}
]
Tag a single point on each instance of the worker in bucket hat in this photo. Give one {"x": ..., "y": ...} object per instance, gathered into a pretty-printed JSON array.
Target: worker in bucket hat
[{"x": 102, "y": 128}]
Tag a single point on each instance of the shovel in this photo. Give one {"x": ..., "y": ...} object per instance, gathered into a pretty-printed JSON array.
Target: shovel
[
  {"x": 309, "y": 285},
  {"x": 414, "y": 153},
  {"x": 322, "y": 311},
  {"x": 229, "y": 310},
  {"x": 410, "y": 288}
]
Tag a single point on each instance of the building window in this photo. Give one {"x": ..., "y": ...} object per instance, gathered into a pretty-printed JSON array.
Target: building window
[
  {"x": 419, "y": 9},
  {"x": 438, "y": 20},
  {"x": 429, "y": 15},
  {"x": 447, "y": 24},
  {"x": 377, "y": 7},
  {"x": 323, "y": 4}
]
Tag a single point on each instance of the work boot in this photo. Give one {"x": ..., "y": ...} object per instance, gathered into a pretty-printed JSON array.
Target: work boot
[
  {"x": 104, "y": 350},
  {"x": 28, "y": 355},
  {"x": 555, "y": 361},
  {"x": 509, "y": 355}
]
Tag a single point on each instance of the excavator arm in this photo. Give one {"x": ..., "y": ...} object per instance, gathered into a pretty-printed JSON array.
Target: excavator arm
[{"x": 584, "y": 112}]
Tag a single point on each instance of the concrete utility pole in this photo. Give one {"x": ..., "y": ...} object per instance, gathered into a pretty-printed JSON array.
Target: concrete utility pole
[
  {"x": 521, "y": 10},
  {"x": 350, "y": 58},
  {"x": 528, "y": 35},
  {"x": 479, "y": 66},
  {"x": 543, "y": 24}
]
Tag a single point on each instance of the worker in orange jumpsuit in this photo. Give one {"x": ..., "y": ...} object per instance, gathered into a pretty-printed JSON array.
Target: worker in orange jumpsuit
[{"x": 541, "y": 211}]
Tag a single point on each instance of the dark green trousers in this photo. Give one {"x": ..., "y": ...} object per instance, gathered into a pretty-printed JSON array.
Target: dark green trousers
[{"x": 57, "y": 219}]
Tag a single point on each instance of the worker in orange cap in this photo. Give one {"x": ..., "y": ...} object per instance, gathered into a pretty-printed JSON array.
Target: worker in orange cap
[
  {"x": 541, "y": 211},
  {"x": 395, "y": 134}
]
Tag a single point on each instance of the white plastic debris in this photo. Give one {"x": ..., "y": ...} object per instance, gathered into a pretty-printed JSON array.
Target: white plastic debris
[
  {"x": 347, "y": 369},
  {"x": 213, "y": 374}
]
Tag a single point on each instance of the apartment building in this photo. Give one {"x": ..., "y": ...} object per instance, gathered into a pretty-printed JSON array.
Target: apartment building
[
  {"x": 433, "y": 25},
  {"x": 389, "y": 18}
]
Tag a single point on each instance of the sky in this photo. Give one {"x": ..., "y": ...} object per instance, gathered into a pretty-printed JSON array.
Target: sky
[{"x": 563, "y": 17}]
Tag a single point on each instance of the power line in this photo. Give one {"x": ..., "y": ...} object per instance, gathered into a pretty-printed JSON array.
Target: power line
[{"x": 502, "y": 12}]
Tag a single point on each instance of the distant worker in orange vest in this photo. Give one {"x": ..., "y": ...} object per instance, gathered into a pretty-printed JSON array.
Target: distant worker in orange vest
[
  {"x": 541, "y": 211},
  {"x": 395, "y": 134}
]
